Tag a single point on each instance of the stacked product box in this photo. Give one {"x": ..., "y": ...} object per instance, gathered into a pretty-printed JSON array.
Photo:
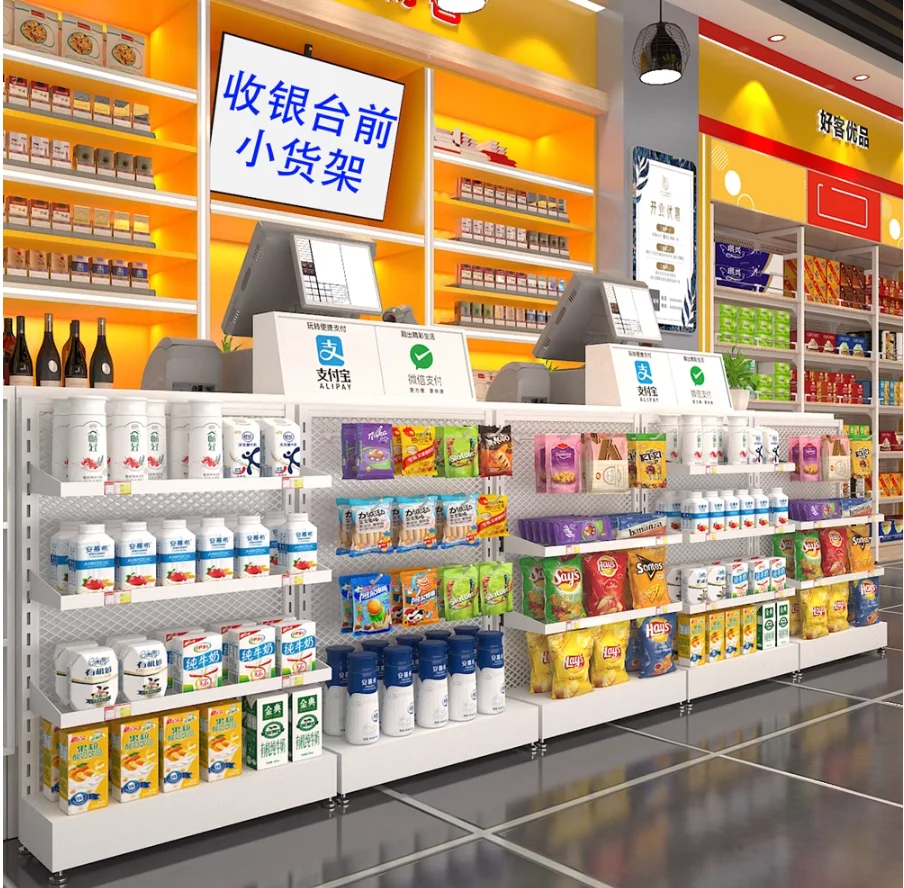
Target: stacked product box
[
  {"x": 478, "y": 277},
  {"x": 743, "y": 267},
  {"x": 890, "y": 393},
  {"x": 891, "y": 297},
  {"x": 833, "y": 388},
  {"x": 891, "y": 345},
  {"x": 856, "y": 344},
  {"x": 779, "y": 372},
  {"x": 507, "y": 316},
  {"x": 501, "y": 196},
  {"x": 829, "y": 282},
  {"x": 746, "y": 325}
]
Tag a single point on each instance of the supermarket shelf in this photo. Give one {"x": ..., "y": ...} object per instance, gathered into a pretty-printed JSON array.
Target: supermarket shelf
[
  {"x": 43, "y": 706},
  {"x": 759, "y": 300},
  {"x": 512, "y": 173},
  {"x": 889, "y": 410},
  {"x": 852, "y": 641},
  {"x": 893, "y": 454},
  {"x": 61, "y": 842},
  {"x": 890, "y": 500},
  {"x": 514, "y": 620},
  {"x": 521, "y": 257},
  {"x": 827, "y": 407},
  {"x": 836, "y": 312},
  {"x": 771, "y": 404},
  {"x": 890, "y": 320},
  {"x": 44, "y": 484},
  {"x": 475, "y": 295},
  {"x": 837, "y": 362},
  {"x": 497, "y": 334},
  {"x": 886, "y": 364},
  {"x": 725, "y": 675},
  {"x": 515, "y": 545},
  {"x": 604, "y": 705},
  {"x": 738, "y": 469},
  {"x": 43, "y": 592},
  {"x": 892, "y": 550},
  {"x": 743, "y": 533},
  {"x": 838, "y": 522},
  {"x": 515, "y": 217},
  {"x": 759, "y": 351},
  {"x": 829, "y": 581},
  {"x": 426, "y": 749},
  {"x": 100, "y": 75},
  {"x": 728, "y": 603}
]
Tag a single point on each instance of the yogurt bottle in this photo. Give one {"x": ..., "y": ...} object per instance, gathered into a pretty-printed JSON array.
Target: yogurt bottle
[
  {"x": 252, "y": 547},
  {"x": 432, "y": 703},
  {"x": 362, "y": 714},
  {"x": 215, "y": 551},
  {"x": 669, "y": 425},
  {"x": 670, "y": 502},
  {"x": 490, "y": 673},
  {"x": 273, "y": 521},
  {"x": 157, "y": 463},
  {"x": 412, "y": 640},
  {"x": 378, "y": 647},
  {"x": 92, "y": 564},
  {"x": 241, "y": 447},
  {"x": 397, "y": 705},
  {"x": 692, "y": 440},
  {"x": 695, "y": 512},
  {"x": 746, "y": 509},
  {"x": 716, "y": 511},
  {"x": 297, "y": 544},
  {"x": 205, "y": 441},
  {"x": 778, "y": 507},
  {"x": 127, "y": 436},
  {"x": 280, "y": 448},
  {"x": 59, "y": 440},
  {"x": 87, "y": 450},
  {"x": 709, "y": 439},
  {"x": 175, "y": 554},
  {"x": 59, "y": 554},
  {"x": 178, "y": 440},
  {"x": 136, "y": 556},
  {"x": 335, "y": 699},
  {"x": 732, "y": 510},
  {"x": 462, "y": 678},
  {"x": 738, "y": 445},
  {"x": 760, "y": 507}
]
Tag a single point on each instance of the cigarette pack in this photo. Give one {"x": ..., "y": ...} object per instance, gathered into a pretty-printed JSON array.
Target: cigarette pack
[
  {"x": 100, "y": 270},
  {"x": 138, "y": 275},
  {"x": 501, "y": 199},
  {"x": 17, "y": 210},
  {"x": 511, "y": 198},
  {"x": 563, "y": 246},
  {"x": 103, "y": 158},
  {"x": 533, "y": 240},
  {"x": 103, "y": 222},
  {"x": 464, "y": 231},
  {"x": 119, "y": 273},
  {"x": 81, "y": 219},
  {"x": 18, "y": 146},
  {"x": 37, "y": 264},
  {"x": 543, "y": 238},
  {"x": 61, "y": 100},
  {"x": 489, "y": 192},
  {"x": 463, "y": 188},
  {"x": 511, "y": 236},
  {"x": 553, "y": 244},
  {"x": 84, "y": 159},
  {"x": 531, "y": 201},
  {"x": 511, "y": 281},
  {"x": 17, "y": 90},
  {"x": 122, "y": 225},
  {"x": 141, "y": 227},
  {"x": 477, "y": 189},
  {"x": 144, "y": 170},
  {"x": 81, "y": 104},
  {"x": 509, "y": 315},
  {"x": 500, "y": 235},
  {"x": 522, "y": 282},
  {"x": 80, "y": 269},
  {"x": 60, "y": 217},
  {"x": 39, "y": 214},
  {"x": 124, "y": 164},
  {"x": 15, "y": 261},
  {"x": 39, "y": 150},
  {"x": 59, "y": 266},
  {"x": 61, "y": 154},
  {"x": 102, "y": 110},
  {"x": 141, "y": 117},
  {"x": 39, "y": 95},
  {"x": 122, "y": 113},
  {"x": 521, "y": 202}
]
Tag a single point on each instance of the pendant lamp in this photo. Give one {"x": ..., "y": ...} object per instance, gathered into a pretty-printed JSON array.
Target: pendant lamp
[{"x": 661, "y": 52}]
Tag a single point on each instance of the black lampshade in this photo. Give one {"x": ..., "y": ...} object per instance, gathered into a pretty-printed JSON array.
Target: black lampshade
[{"x": 661, "y": 53}]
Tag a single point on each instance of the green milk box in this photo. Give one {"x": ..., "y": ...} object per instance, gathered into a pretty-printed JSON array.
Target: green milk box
[
  {"x": 265, "y": 726},
  {"x": 765, "y": 626},
  {"x": 306, "y": 723},
  {"x": 782, "y": 622}
]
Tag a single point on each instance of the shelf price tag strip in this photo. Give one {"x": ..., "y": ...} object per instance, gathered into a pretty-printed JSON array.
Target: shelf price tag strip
[{"x": 117, "y": 488}]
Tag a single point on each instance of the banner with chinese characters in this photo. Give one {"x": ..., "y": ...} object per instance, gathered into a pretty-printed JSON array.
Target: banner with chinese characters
[{"x": 295, "y": 130}]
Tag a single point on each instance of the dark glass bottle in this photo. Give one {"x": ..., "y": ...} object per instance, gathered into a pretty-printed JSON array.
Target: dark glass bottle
[
  {"x": 101, "y": 371},
  {"x": 49, "y": 369},
  {"x": 75, "y": 371},
  {"x": 9, "y": 342},
  {"x": 21, "y": 369}
]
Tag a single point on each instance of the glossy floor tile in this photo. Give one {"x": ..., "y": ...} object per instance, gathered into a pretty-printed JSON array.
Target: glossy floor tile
[
  {"x": 898, "y": 700},
  {"x": 868, "y": 675},
  {"x": 895, "y": 632},
  {"x": 891, "y": 592},
  {"x": 491, "y": 791},
  {"x": 722, "y": 823},
  {"x": 859, "y": 750}
]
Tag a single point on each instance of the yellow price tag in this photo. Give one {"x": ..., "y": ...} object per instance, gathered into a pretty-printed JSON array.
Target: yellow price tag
[{"x": 293, "y": 483}]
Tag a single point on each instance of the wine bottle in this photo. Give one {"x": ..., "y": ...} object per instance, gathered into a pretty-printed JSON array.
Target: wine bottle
[
  {"x": 49, "y": 370},
  {"x": 21, "y": 369},
  {"x": 68, "y": 345},
  {"x": 9, "y": 342},
  {"x": 101, "y": 371},
  {"x": 75, "y": 373}
]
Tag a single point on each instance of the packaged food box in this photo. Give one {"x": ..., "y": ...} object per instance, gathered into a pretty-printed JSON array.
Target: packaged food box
[
  {"x": 82, "y": 40},
  {"x": 221, "y": 740},
  {"x": 265, "y": 719},
  {"x": 84, "y": 774},
  {"x": 306, "y": 720},
  {"x": 714, "y": 646},
  {"x": 691, "y": 639},
  {"x": 50, "y": 761},
  {"x": 134, "y": 764},
  {"x": 180, "y": 742},
  {"x": 125, "y": 51},
  {"x": 36, "y": 28},
  {"x": 9, "y": 15},
  {"x": 765, "y": 626}
]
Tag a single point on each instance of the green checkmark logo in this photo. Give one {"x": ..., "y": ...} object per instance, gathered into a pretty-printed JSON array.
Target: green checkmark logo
[
  {"x": 697, "y": 375},
  {"x": 421, "y": 357}
]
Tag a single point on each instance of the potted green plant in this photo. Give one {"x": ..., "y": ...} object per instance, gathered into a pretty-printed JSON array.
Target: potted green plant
[{"x": 740, "y": 378}]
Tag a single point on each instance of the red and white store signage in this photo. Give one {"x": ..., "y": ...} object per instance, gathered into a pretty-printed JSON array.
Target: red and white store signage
[{"x": 843, "y": 206}]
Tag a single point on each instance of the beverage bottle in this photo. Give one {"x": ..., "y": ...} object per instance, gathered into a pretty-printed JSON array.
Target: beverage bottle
[
  {"x": 695, "y": 513},
  {"x": 716, "y": 504},
  {"x": 397, "y": 705},
  {"x": 335, "y": 699},
  {"x": 432, "y": 704},
  {"x": 21, "y": 369},
  {"x": 732, "y": 510},
  {"x": 362, "y": 713},
  {"x": 100, "y": 372},
  {"x": 760, "y": 507},
  {"x": 490, "y": 673},
  {"x": 9, "y": 342},
  {"x": 462, "y": 678},
  {"x": 778, "y": 507},
  {"x": 75, "y": 367},
  {"x": 378, "y": 646},
  {"x": 746, "y": 509},
  {"x": 49, "y": 370}
]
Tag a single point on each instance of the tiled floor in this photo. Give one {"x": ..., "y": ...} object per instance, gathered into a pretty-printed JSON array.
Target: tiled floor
[{"x": 777, "y": 784}]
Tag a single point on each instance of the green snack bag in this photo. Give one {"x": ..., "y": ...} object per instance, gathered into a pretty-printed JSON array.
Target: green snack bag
[
  {"x": 807, "y": 555},
  {"x": 456, "y": 454},
  {"x": 564, "y": 589},
  {"x": 460, "y": 593},
  {"x": 495, "y": 583},
  {"x": 783, "y": 547},
  {"x": 533, "y": 589}
]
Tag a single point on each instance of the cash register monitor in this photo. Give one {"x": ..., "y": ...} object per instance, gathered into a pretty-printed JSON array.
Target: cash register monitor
[
  {"x": 289, "y": 269},
  {"x": 595, "y": 310}
]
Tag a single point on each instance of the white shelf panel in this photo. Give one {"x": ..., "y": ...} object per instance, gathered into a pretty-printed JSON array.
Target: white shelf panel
[
  {"x": 889, "y": 410},
  {"x": 760, "y": 300},
  {"x": 61, "y": 842},
  {"x": 836, "y": 312},
  {"x": 824, "y": 407},
  {"x": 128, "y": 298},
  {"x": 498, "y": 334},
  {"x": 736, "y": 469},
  {"x": 714, "y": 678},
  {"x": 512, "y": 173},
  {"x": 890, "y": 500},
  {"x": 770, "y": 404},
  {"x": 837, "y": 522},
  {"x": 728, "y": 603},
  {"x": 838, "y": 363},
  {"x": 515, "y": 545},
  {"x": 522, "y": 257},
  {"x": 829, "y": 581},
  {"x": 890, "y": 320},
  {"x": 42, "y": 591},
  {"x": 720, "y": 535},
  {"x": 838, "y": 645},
  {"x": 893, "y": 454},
  {"x": 514, "y": 620},
  {"x": 603, "y": 705},
  {"x": 44, "y": 484},
  {"x": 392, "y": 758},
  {"x": 887, "y": 364},
  {"x": 43, "y": 706},
  {"x": 765, "y": 352}
]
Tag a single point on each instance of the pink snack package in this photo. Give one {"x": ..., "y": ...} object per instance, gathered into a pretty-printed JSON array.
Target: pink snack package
[
  {"x": 560, "y": 463},
  {"x": 804, "y": 452}
]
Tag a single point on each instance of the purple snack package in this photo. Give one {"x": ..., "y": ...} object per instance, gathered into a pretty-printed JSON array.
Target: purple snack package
[
  {"x": 563, "y": 463},
  {"x": 565, "y": 531},
  {"x": 367, "y": 451}
]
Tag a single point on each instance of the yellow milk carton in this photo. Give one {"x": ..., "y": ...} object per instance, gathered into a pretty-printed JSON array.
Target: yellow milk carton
[
  {"x": 83, "y": 769},
  {"x": 179, "y": 750},
  {"x": 134, "y": 767},
  {"x": 715, "y": 636},
  {"x": 691, "y": 639},
  {"x": 50, "y": 760},
  {"x": 733, "y": 633},
  {"x": 221, "y": 740},
  {"x": 748, "y": 629}
]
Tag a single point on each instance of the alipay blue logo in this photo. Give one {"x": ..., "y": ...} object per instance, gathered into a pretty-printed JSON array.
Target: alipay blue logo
[
  {"x": 329, "y": 351},
  {"x": 644, "y": 372}
]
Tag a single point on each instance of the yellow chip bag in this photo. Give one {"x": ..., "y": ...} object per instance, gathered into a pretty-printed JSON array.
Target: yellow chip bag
[
  {"x": 837, "y": 616},
  {"x": 492, "y": 515},
  {"x": 570, "y": 653},
  {"x": 814, "y": 604},
  {"x": 540, "y": 668},
  {"x": 860, "y": 553},
  {"x": 610, "y": 644},
  {"x": 414, "y": 450},
  {"x": 646, "y": 576},
  {"x": 794, "y": 616}
]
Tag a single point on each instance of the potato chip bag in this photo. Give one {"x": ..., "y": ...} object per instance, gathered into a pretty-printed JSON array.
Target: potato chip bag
[
  {"x": 492, "y": 515},
  {"x": 540, "y": 667},
  {"x": 794, "y": 616},
  {"x": 646, "y": 577},
  {"x": 634, "y": 652},
  {"x": 838, "y": 607},
  {"x": 863, "y": 607},
  {"x": 494, "y": 580},
  {"x": 814, "y": 605},
  {"x": 859, "y": 548},
  {"x": 610, "y": 644},
  {"x": 459, "y": 590},
  {"x": 570, "y": 653},
  {"x": 564, "y": 589},
  {"x": 456, "y": 452},
  {"x": 808, "y": 555},
  {"x": 419, "y": 590},
  {"x": 414, "y": 450},
  {"x": 533, "y": 589},
  {"x": 833, "y": 549},
  {"x": 656, "y": 634},
  {"x": 605, "y": 583},
  {"x": 783, "y": 547}
]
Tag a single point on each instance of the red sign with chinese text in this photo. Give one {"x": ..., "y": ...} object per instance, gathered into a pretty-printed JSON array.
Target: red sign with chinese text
[{"x": 843, "y": 206}]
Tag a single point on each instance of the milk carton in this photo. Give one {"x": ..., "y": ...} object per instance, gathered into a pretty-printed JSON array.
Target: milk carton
[
  {"x": 777, "y": 574},
  {"x": 673, "y": 583},
  {"x": 296, "y": 643},
  {"x": 197, "y": 661},
  {"x": 305, "y": 729},
  {"x": 252, "y": 653},
  {"x": 143, "y": 669},
  {"x": 266, "y": 730},
  {"x": 691, "y": 639},
  {"x": 716, "y": 582},
  {"x": 63, "y": 654},
  {"x": 134, "y": 765},
  {"x": 83, "y": 769},
  {"x": 748, "y": 629},
  {"x": 50, "y": 760},
  {"x": 765, "y": 626},
  {"x": 166, "y": 636},
  {"x": 760, "y": 573},
  {"x": 241, "y": 447},
  {"x": 694, "y": 584},
  {"x": 782, "y": 622},
  {"x": 179, "y": 750},
  {"x": 736, "y": 575},
  {"x": 93, "y": 678},
  {"x": 280, "y": 448},
  {"x": 715, "y": 636},
  {"x": 221, "y": 740},
  {"x": 732, "y": 633},
  {"x": 222, "y": 629}
]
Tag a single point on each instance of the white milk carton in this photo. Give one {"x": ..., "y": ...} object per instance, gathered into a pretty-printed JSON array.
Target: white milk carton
[
  {"x": 167, "y": 635},
  {"x": 197, "y": 661},
  {"x": 760, "y": 572},
  {"x": 50, "y": 760},
  {"x": 673, "y": 583},
  {"x": 694, "y": 581},
  {"x": 305, "y": 723},
  {"x": 296, "y": 643},
  {"x": 241, "y": 447},
  {"x": 63, "y": 654},
  {"x": 716, "y": 582},
  {"x": 265, "y": 721},
  {"x": 143, "y": 669},
  {"x": 280, "y": 448},
  {"x": 221, "y": 629},
  {"x": 93, "y": 677},
  {"x": 777, "y": 574},
  {"x": 782, "y": 622},
  {"x": 252, "y": 653},
  {"x": 737, "y": 577}
]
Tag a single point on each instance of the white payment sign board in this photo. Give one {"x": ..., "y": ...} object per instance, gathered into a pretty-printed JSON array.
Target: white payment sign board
[{"x": 295, "y": 130}]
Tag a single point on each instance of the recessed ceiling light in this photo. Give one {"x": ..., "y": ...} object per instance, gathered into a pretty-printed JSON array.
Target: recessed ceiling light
[
  {"x": 861, "y": 77},
  {"x": 776, "y": 38}
]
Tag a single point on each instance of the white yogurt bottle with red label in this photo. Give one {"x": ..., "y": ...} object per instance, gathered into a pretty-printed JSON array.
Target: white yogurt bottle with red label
[
  {"x": 252, "y": 547},
  {"x": 178, "y": 440},
  {"x": 59, "y": 440},
  {"x": 297, "y": 544},
  {"x": 692, "y": 440},
  {"x": 156, "y": 412},
  {"x": 127, "y": 433},
  {"x": 87, "y": 439},
  {"x": 695, "y": 512},
  {"x": 136, "y": 556},
  {"x": 241, "y": 447},
  {"x": 92, "y": 561},
  {"x": 273, "y": 521},
  {"x": 175, "y": 554},
  {"x": 59, "y": 554},
  {"x": 216, "y": 551},
  {"x": 668, "y": 425},
  {"x": 205, "y": 441}
]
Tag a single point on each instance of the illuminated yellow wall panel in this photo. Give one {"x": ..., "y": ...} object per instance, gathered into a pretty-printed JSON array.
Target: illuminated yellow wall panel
[{"x": 892, "y": 221}]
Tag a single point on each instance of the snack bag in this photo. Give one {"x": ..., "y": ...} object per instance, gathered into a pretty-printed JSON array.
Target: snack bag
[
  {"x": 371, "y": 596},
  {"x": 420, "y": 590},
  {"x": 649, "y": 459},
  {"x": 863, "y": 606},
  {"x": 459, "y": 588},
  {"x": 794, "y": 616},
  {"x": 859, "y": 549},
  {"x": 605, "y": 462},
  {"x": 541, "y": 480},
  {"x": 345, "y": 593},
  {"x": 656, "y": 634},
  {"x": 395, "y": 586},
  {"x": 803, "y": 451},
  {"x": 634, "y": 652},
  {"x": 371, "y": 525},
  {"x": 610, "y": 644},
  {"x": 457, "y": 452},
  {"x": 861, "y": 455},
  {"x": 836, "y": 458},
  {"x": 808, "y": 555},
  {"x": 838, "y": 607},
  {"x": 416, "y": 527},
  {"x": 562, "y": 455},
  {"x": 540, "y": 666},
  {"x": 833, "y": 546},
  {"x": 646, "y": 576},
  {"x": 459, "y": 520},
  {"x": 605, "y": 576},
  {"x": 814, "y": 604},
  {"x": 570, "y": 654},
  {"x": 494, "y": 580},
  {"x": 564, "y": 589},
  {"x": 492, "y": 515},
  {"x": 783, "y": 547},
  {"x": 414, "y": 450},
  {"x": 533, "y": 589},
  {"x": 494, "y": 450},
  {"x": 366, "y": 450},
  {"x": 346, "y": 528}
]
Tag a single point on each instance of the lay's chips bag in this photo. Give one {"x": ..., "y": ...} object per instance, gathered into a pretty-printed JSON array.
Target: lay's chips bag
[
  {"x": 838, "y": 607},
  {"x": 564, "y": 589},
  {"x": 570, "y": 653},
  {"x": 540, "y": 666},
  {"x": 533, "y": 589},
  {"x": 814, "y": 605},
  {"x": 610, "y": 645},
  {"x": 864, "y": 602},
  {"x": 656, "y": 635}
]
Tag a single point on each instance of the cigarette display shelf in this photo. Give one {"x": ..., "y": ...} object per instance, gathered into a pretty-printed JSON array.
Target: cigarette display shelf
[
  {"x": 515, "y": 545},
  {"x": 798, "y": 585},
  {"x": 77, "y": 174},
  {"x": 503, "y": 254},
  {"x": 46, "y": 285},
  {"x": 519, "y": 218},
  {"x": 35, "y": 116},
  {"x": 514, "y": 620},
  {"x": 725, "y": 675},
  {"x": 477, "y": 295},
  {"x": 838, "y": 645},
  {"x": 516, "y": 174}
]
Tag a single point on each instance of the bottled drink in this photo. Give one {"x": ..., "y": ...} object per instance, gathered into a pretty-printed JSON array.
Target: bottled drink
[
  {"x": 9, "y": 342},
  {"x": 21, "y": 369},
  {"x": 67, "y": 345},
  {"x": 49, "y": 369},
  {"x": 101, "y": 370},
  {"x": 75, "y": 371}
]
